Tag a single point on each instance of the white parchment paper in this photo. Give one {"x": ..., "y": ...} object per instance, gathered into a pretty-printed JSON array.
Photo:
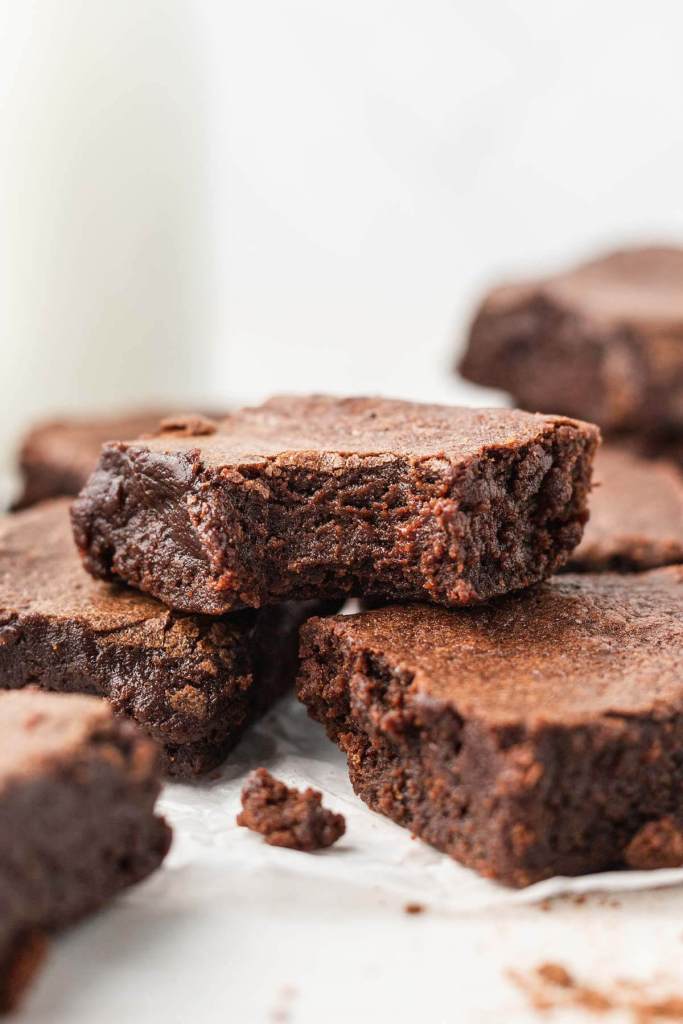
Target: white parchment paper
[{"x": 234, "y": 930}]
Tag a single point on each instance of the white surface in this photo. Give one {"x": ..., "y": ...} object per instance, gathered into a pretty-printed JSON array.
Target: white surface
[
  {"x": 251, "y": 196},
  {"x": 234, "y": 930}
]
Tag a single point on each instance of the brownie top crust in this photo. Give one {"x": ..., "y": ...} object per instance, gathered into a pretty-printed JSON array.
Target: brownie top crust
[
  {"x": 636, "y": 514},
  {"x": 317, "y": 429},
  {"x": 39, "y": 727},
  {"x": 41, "y": 573},
  {"x": 641, "y": 287},
  {"x": 562, "y": 653}
]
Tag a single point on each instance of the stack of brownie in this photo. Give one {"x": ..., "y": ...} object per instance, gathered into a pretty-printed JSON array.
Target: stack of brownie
[
  {"x": 524, "y": 734},
  {"x": 525, "y": 725}
]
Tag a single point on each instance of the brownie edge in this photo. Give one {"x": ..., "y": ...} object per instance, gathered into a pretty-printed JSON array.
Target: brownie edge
[
  {"x": 538, "y": 735},
  {"x": 321, "y": 497},
  {"x": 193, "y": 683},
  {"x": 77, "y": 820}
]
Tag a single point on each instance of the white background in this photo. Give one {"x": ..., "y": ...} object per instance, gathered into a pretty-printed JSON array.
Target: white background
[
  {"x": 231, "y": 197},
  {"x": 238, "y": 197}
]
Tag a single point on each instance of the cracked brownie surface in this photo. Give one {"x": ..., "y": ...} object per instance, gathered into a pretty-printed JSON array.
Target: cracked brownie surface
[
  {"x": 325, "y": 497},
  {"x": 192, "y": 682},
  {"x": 534, "y": 736}
]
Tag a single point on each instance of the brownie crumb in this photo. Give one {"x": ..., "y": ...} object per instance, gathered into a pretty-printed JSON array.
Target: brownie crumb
[
  {"x": 24, "y": 961},
  {"x": 188, "y": 426},
  {"x": 286, "y": 816},
  {"x": 658, "y": 844},
  {"x": 414, "y": 908}
]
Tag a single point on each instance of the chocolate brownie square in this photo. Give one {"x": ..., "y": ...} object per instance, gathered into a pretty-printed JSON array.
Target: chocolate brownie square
[
  {"x": 540, "y": 734},
  {"x": 193, "y": 683},
  {"x": 327, "y": 497},
  {"x": 603, "y": 341},
  {"x": 636, "y": 514},
  {"x": 57, "y": 456},
  {"x": 77, "y": 822}
]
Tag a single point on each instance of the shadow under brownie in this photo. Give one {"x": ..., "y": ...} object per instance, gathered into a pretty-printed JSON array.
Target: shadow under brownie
[
  {"x": 192, "y": 682},
  {"x": 77, "y": 821},
  {"x": 325, "y": 497},
  {"x": 541, "y": 734}
]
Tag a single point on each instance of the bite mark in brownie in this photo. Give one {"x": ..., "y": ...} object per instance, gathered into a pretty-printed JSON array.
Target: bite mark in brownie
[
  {"x": 286, "y": 816},
  {"x": 534, "y": 736},
  {"x": 636, "y": 514},
  {"x": 192, "y": 682},
  {"x": 317, "y": 496},
  {"x": 77, "y": 821},
  {"x": 602, "y": 341}
]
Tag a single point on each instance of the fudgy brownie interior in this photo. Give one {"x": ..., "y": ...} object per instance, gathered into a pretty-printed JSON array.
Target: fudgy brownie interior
[{"x": 306, "y": 497}]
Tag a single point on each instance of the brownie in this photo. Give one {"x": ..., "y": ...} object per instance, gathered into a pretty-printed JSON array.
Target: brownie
[
  {"x": 192, "y": 682},
  {"x": 286, "y": 816},
  {"x": 77, "y": 822},
  {"x": 636, "y": 514},
  {"x": 603, "y": 341},
  {"x": 57, "y": 456},
  {"x": 534, "y": 736},
  {"x": 325, "y": 497}
]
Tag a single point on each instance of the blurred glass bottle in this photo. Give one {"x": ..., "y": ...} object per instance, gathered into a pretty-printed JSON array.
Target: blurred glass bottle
[{"x": 103, "y": 251}]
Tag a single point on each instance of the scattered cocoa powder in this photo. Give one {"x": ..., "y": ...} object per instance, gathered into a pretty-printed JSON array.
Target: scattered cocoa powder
[{"x": 550, "y": 986}]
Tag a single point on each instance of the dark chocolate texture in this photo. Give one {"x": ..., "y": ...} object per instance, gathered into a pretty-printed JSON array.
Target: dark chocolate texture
[
  {"x": 286, "y": 816},
  {"x": 603, "y": 341},
  {"x": 324, "y": 497},
  {"x": 77, "y": 821},
  {"x": 192, "y": 682},
  {"x": 534, "y": 736}
]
